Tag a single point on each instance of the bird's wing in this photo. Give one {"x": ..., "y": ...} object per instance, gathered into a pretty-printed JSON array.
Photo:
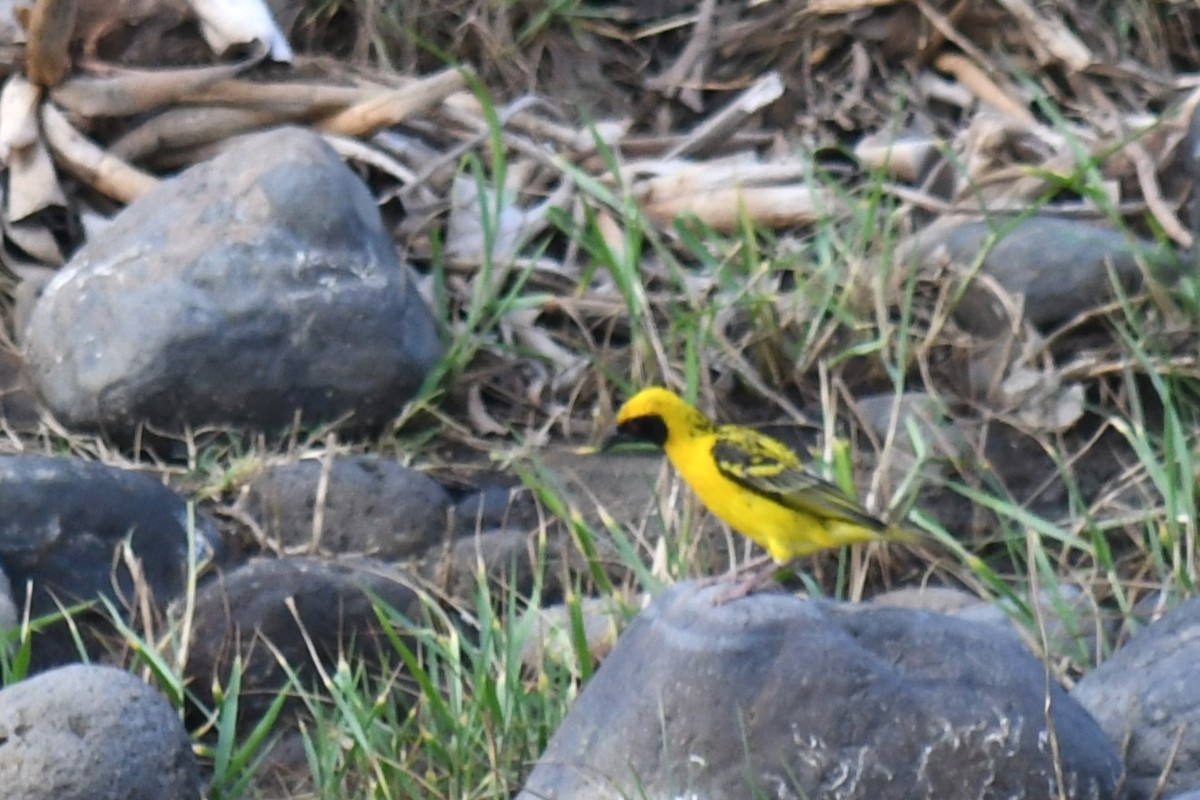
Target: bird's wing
[{"x": 768, "y": 468}]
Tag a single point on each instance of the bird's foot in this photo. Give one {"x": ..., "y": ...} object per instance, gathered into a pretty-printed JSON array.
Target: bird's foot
[
  {"x": 704, "y": 581},
  {"x": 755, "y": 581},
  {"x": 753, "y": 566}
]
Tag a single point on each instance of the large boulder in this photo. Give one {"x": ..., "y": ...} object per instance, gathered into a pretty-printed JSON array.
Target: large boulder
[
  {"x": 1061, "y": 267},
  {"x": 291, "y": 617},
  {"x": 86, "y": 732},
  {"x": 248, "y": 289},
  {"x": 1147, "y": 695},
  {"x": 368, "y": 506},
  {"x": 69, "y": 530},
  {"x": 774, "y": 696}
]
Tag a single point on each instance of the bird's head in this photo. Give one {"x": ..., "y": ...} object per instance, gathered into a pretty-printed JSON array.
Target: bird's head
[{"x": 655, "y": 416}]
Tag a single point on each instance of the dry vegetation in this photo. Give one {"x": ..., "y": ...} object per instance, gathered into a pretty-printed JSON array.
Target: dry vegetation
[
  {"x": 727, "y": 196},
  {"x": 724, "y": 195}
]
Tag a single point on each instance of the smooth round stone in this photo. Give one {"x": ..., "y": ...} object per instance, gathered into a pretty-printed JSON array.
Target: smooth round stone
[{"x": 779, "y": 697}]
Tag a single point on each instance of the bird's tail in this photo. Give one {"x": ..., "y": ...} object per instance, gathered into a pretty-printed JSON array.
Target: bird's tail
[{"x": 903, "y": 533}]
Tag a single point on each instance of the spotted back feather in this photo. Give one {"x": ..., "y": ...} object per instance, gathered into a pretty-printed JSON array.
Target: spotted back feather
[{"x": 766, "y": 467}]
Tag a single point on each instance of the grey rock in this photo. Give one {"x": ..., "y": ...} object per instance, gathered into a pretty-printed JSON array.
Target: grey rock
[
  {"x": 284, "y": 771},
  {"x": 248, "y": 289},
  {"x": 622, "y": 485},
  {"x": 939, "y": 599},
  {"x": 62, "y": 525},
  {"x": 92, "y": 733},
  {"x": 510, "y": 558},
  {"x": 495, "y": 506},
  {"x": 1061, "y": 266},
  {"x": 778, "y": 697},
  {"x": 33, "y": 281},
  {"x": 371, "y": 507},
  {"x": 272, "y": 609},
  {"x": 1148, "y": 692},
  {"x": 1072, "y": 624},
  {"x": 921, "y": 412},
  {"x": 502, "y": 554},
  {"x": 8, "y": 609},
  {"x": 18, "y": 403}
]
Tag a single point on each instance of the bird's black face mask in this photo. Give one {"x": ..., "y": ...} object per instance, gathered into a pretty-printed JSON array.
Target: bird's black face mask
[{"x": 640, "y": 430}]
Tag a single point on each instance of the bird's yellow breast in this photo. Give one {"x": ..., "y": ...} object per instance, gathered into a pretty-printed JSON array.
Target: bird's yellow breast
[{"x": 783, "y": 532}]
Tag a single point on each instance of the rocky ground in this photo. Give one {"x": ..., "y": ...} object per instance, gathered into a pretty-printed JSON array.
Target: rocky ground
[{"x": 298, "y": 348}]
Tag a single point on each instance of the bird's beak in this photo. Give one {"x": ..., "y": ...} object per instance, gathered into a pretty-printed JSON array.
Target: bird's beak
[
  {"x": 619, "y": 439},
  {"x": 614, "y": 440}
]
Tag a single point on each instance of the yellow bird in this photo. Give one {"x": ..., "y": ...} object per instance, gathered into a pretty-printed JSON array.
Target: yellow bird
[{"x": 753, "y": 483}]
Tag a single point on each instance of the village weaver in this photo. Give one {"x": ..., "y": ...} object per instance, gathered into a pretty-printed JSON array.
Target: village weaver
[{"x": 753, "y": 483}]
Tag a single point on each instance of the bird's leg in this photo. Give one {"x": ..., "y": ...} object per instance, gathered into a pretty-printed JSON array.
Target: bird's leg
[
  {"x": 750, "y": 584},
  {"x": 753, "y": 565}
]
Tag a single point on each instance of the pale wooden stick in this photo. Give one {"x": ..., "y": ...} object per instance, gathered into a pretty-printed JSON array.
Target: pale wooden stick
[
  {"x": 394, "y": 106},
  {"x": 135, "y": 91},
  {"x": 969, "y": 74},
  {"x": 300, "y": 98},
  {"x": 720, "y": 126},
  {"x": 1061, "y": 43},
  {"x": 83, "y": 158},
  {"x": 181, "y": 128},
  {"x": 725, "y": 209}
]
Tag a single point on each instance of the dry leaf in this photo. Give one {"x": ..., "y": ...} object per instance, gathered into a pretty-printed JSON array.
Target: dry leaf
[
  {"x": 355, "y": 150},
  {"x": 36, "y": 240},
  {"x": 51, "y": 26},
  {"x": 1052, "y": 34},
  {"x": 18, "y": 115},
  {"x": 1041, "y": 402},
  {"x": 568, "y": 365},
  {"x": 12, "y": 33},
  {"x": 32, "y": 183},
  {"x": 467, "y": 238},
  {"x": 477, "y": 414},
  {"x": 613, "y": 235}
]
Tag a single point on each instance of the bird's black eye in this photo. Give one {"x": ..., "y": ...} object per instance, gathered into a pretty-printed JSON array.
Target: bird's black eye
[{"x": 649, "y": 429}]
